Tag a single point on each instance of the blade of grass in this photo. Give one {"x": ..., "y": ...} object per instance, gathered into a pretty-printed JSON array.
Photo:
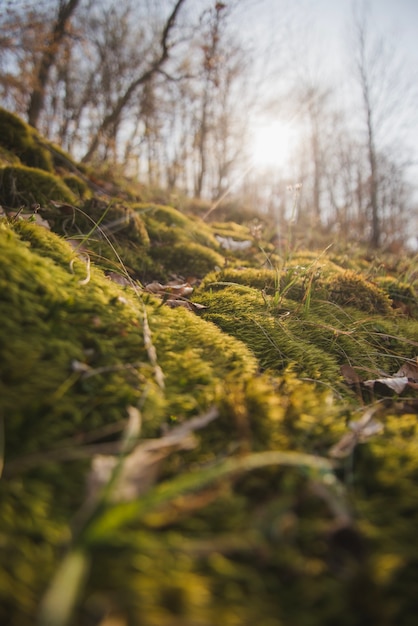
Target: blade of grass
[
  {"x": 317, "y": 468},
  {"x": 58, "y": 603}
]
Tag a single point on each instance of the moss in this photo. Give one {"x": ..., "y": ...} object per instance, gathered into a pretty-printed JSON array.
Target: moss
[
  {"x": 77, "y": 185},
  {"x": 23, "y": 141},
  {"x": 8, "y": 158},
  {"x": 88, "y": 328},
  {"x": 290, "y": 283},
  {"x": 111, "y": 232},
  {"x": 52, "y": 322},
  {"x": 351, "y": 289},
  {"x": 314, "y": 340},
  {"x": 185, "y": 259},
  {"x": 163, "y": 220},
  {"x": 403, "y": 295},
  {"x": 117, "y": 220},
  {"x": 219, "y": 537},
  {"x": 62, "y": 160},
  {"x": 238, "y": 232},
  {"x": 26, "y": 186}
]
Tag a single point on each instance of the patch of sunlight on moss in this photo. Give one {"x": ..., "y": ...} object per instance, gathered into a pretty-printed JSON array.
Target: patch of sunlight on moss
[
  {"x": 23, "y": 141},
  {"x": 21, "y": 185}
]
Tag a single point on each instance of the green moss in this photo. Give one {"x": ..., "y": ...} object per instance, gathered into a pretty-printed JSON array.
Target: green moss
[
  {"x": 52, "y": 322},
  {"x": 274, "y": 339},
  {"x": 77, "y": 185},
  {"x": 314, "y": 340},
  {"x": 163, "y": 221},
  {"x": 88, "y": 328},
  {"x": 219, "y": 537},
  {"x": 238, "y": 232},
  {"x": 8, "y": 158},
  {"x": 185, "y": 259},
  {"x": 117, "y": 220},
  {"x": 23, "y": 141},
  {"x": 26, "y": 186},
  {"x": 291, "y": 283},
  {"x": 352, "y": 289},
  {"x": 111, "y": 232},
  {"x": 403, "y": 295},
  {"x": 62, "y": 160}
]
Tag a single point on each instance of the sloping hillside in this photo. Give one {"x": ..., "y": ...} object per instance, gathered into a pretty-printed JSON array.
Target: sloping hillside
[{"x": 197, "y": 428}]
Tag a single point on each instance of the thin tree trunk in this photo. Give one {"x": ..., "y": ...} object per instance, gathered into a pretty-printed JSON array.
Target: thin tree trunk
[
  {"x": 37, "y": 99},
  {"x": 113, "y": 118}
]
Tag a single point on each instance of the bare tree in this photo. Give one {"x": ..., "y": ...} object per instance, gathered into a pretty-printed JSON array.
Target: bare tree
[
  {"x": 385, "y": 95},
  {"x": 112, "y": 119},
  {"x": 58, "y": 32}
]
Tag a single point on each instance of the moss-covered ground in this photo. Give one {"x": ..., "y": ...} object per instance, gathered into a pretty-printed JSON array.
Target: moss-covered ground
[{"x": 253, "y": 475}]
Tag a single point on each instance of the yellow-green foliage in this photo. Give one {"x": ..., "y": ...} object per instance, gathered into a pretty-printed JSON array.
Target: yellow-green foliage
[
  {"x": 185, "y": 259},
  {"x": 77, "y": 185},
  {"x": 315, "y": 340},
  {"x": 25, "y": 186},
  {"x": 180, "y": 245},
  {"x": 238, "y": 232},
  {"x": 257, "y": 522},
  {"x": 166, "y": 225},
  {"x": 351, "y": 289},
  {"x": 8, "y": 158},
  {"x": 23, "y": 141},
  {"x": 94, "y": 326},
  {"x": 73, "y": 359},
  {"x": 400, "y": 293},
  {"x": 117, "y": 220}
]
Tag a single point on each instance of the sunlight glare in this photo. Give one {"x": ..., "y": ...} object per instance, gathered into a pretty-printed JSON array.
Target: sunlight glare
[{"x": 272, "y": 145}]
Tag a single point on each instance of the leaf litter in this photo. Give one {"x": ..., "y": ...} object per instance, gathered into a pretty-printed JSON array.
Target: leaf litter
[
  {"x": 139, "y": 467},
  {"x": 175, "y": 294}
]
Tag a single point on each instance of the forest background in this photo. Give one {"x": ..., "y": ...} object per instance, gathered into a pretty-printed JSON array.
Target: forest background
[{"x": 232, "y": 103}]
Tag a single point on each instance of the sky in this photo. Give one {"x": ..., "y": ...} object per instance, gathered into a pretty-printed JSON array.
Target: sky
[
  {"x": 317, "y": 42},
  {"x": 328, "y": 21}
]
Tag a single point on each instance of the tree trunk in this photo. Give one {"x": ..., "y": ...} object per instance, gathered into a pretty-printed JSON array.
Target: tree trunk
[
  {"x": 49, "y": 54},
  {"x": 113, "y": 118}
]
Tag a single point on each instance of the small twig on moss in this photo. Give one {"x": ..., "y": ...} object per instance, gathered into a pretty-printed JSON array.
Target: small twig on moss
[
  {"x": 151, "y": 351},
  {"x": 86, "y": 258}
]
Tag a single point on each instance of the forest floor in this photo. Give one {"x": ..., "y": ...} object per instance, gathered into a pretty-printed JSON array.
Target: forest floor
[{"x": 197, "y": 427}]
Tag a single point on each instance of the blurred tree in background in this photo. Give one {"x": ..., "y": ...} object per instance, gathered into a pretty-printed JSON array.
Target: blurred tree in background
[{"x": 168, "y": 92}]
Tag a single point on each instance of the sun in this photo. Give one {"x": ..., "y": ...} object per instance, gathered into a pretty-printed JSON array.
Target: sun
[{"x": 272, "y": 144}]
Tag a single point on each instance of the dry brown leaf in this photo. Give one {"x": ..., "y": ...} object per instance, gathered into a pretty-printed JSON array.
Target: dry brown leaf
[
  {"x": 175, "y": 294},
  {"x": 410, "y": 370},
  {"x": 119, "y": 279},
  {"x": 350, "y": 375},
  {"x": 154, "y": 287},
  {"x": 397, "y": 384},
  {"x": 173, "y": 287},
  {"x": 139, "y": 469},
  {"x": 227, "y": 243},
  {"x": 361, "y": 430},
  {"x": 174, "y": 303}
]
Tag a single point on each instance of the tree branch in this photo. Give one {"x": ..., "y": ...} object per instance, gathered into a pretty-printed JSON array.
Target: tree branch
[
  {"x": 113, "y": 117},
  {"x": 48, "y": 59}
]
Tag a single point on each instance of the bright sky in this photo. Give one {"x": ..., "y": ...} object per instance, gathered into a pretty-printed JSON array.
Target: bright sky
[{"x": 322, "y": 27}]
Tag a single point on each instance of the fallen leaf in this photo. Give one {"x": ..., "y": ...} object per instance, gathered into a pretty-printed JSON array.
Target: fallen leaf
[
  {"x": 137, "y": 471},
  {"x": 410, "y": 370},
  {"x": 173, "y": 304},
  {"x": 173, "y": 287},
  {"x": 119, "y": 279},
  {"x": 396, "y": 384},
  {"x": 362, "y": 429},
  {"x": 232, "y": 244},
  {"x": 350, "y": 375},
  {"x": 154, "y": 287},
  {"x": 187, "y": 304}
]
